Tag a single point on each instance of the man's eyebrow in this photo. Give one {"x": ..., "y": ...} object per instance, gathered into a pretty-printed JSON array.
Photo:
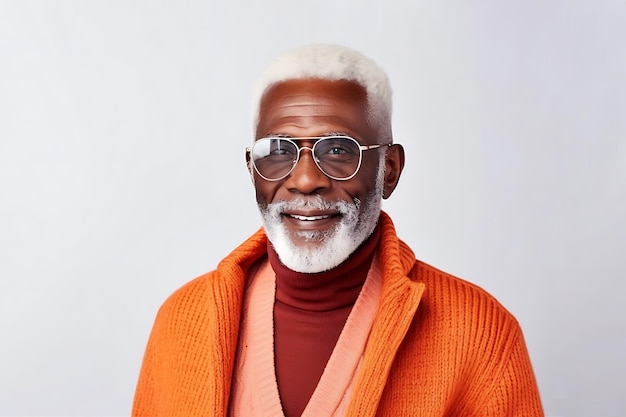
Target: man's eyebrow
[
  {"x": 335, "y": 134},
  {"x": 323, "y": 135},
  {"x": 276, "y": 135}
]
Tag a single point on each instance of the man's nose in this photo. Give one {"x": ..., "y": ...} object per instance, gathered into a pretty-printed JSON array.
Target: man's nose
[{"x": 306, "y": 177}]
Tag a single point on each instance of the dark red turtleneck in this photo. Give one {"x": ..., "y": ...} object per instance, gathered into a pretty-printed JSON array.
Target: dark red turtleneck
[{"x": 309, "y": 314}]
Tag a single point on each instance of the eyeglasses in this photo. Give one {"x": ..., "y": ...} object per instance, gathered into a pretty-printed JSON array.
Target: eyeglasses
[{"x": 338, "y": 157}]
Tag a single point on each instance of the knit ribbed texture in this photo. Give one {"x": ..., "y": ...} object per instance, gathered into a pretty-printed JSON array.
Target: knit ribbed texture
[{"x": 439, "y": 346}]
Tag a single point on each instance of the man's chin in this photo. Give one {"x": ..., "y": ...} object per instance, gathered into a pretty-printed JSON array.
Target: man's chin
[
  {"x": 314, "y": 252},
  {"x": 308, "y": 242},
  {"x": 310, "y": 237}
]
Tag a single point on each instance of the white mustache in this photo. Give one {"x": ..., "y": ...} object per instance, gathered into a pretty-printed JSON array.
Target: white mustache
[{"x": 313, "y": 203}]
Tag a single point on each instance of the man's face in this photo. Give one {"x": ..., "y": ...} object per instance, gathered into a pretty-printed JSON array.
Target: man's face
[{"x": 313, "y": 221}]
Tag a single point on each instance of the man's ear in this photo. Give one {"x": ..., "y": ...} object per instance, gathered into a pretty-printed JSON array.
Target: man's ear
[
  {"x": 249, "y": 166},
  {"x": 394, "y": 164}
]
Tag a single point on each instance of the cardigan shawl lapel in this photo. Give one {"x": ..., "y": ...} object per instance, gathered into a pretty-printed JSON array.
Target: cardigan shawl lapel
[{"x": 400, "y": 298}]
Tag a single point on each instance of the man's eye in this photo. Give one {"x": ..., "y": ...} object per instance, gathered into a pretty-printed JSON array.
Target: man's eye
[
  {"x": 282, "y": 151},
  {"x": 337, "y": 150}
]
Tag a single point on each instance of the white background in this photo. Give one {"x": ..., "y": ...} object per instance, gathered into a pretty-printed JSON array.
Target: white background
[{"x": 122, "y": 176}]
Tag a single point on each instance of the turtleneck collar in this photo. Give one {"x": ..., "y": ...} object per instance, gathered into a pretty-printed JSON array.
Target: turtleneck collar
[{"x": 324, "y": 291}]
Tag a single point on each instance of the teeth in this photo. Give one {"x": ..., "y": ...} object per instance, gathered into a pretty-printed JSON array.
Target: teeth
[{"x": 308, "y": 218}]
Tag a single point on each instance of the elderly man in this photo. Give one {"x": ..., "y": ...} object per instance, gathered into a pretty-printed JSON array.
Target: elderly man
[{"x": 325, "y": 311}]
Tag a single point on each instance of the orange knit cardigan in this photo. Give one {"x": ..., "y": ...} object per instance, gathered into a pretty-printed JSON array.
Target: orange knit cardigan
[{"x": 439, "y": 346}]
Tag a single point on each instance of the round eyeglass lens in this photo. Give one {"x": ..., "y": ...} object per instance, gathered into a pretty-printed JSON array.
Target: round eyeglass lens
[
  {"x": 274, "y": 157},
  {"x": 338, "y": 157}
]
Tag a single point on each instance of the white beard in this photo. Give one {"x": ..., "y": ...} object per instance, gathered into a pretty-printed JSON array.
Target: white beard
[{"x": 358, "y": 221}]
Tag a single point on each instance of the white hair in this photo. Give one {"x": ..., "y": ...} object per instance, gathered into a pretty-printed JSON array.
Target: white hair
[{"x": 331, "y": 62}]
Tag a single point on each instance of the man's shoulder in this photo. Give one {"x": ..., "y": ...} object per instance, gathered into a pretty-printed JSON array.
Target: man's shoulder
[
  {"x": 229, "y": 275},
  {"x": 192, "y": 294},
  {"x": 446, "y": 292},
  {"x": 229, "y": 269}
]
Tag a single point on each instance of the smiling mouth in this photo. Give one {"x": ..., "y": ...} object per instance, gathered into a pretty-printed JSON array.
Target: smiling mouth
[{"x": 309, "y": 218}]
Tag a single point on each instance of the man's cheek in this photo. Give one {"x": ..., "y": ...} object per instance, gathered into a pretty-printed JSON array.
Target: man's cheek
[{"x": 263, "y": 195}]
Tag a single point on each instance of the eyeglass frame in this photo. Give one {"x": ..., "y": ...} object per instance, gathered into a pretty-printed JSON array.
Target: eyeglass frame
[{"x": 311, "y": 149}]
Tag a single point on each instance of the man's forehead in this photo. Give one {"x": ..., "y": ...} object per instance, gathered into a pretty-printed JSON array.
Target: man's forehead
[
  {"x": 315, "y": 86},
  {"x": 314, "y": 107}
]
